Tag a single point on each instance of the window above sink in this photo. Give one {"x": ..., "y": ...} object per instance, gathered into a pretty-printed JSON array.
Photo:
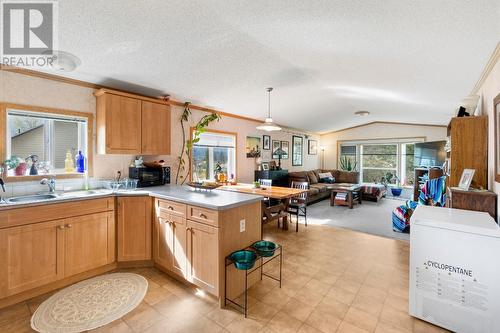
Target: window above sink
[{"x": 38, "y": 142}]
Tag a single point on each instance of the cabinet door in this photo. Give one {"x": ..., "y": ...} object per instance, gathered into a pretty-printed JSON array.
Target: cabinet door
[
  {"x": 89, "y": 242},
  {"x": 134, "y": 228},
  {"x": 155, "y": 128},
  {"x": 30, "y": 256},
  {"x": 179, "y": 240},
  {"x": 162, "y": 242},
  {"x": 203, "y": 256},
  {"x": 123, "y": 125}
]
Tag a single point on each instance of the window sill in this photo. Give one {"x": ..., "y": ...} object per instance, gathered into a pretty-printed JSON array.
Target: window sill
[{"x": 39, "y": 177}]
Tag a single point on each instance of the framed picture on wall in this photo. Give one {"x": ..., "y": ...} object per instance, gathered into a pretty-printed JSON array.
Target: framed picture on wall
[
  {"x": 285, "y": 145},
  {"x": 276, "y": 145},
  {"x": 266, "y": 142},
  {"x": 253, "y": 146},
  {"x": 496, "y": 113},
  {"x": 297, "y": 150},
  {"x": 312, "y": 147}
]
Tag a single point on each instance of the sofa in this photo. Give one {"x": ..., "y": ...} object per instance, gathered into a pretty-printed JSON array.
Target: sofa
[{"x": 319, "y": 191}]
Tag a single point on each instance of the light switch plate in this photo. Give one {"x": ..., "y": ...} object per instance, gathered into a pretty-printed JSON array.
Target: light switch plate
[{"x": 242, "y": 225}]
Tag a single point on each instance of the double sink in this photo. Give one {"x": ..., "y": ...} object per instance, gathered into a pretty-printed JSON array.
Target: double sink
[{"x": 52, "y": 196}]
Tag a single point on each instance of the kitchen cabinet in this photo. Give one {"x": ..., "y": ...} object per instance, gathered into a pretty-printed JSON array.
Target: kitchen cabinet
[
  {"x": 47, "y": 251},
  {"x": 134, "y": 220},
  {"x": 89, "y": 242},
  {"x": 155, "y": 131},
  {"x": 170, "y": 244},
  {"x": 203, "y": 255},
  {"x": 131, "y": 124},
  {"x": 30, "y": 256}
]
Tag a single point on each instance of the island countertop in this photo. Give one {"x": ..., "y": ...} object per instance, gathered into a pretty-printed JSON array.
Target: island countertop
[{"x": 215, "y": 199}]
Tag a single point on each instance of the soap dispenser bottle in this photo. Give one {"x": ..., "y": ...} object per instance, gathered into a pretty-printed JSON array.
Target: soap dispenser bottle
[
  {"x": 69, "y": 166},
  {"x": 80, "y": 162}
]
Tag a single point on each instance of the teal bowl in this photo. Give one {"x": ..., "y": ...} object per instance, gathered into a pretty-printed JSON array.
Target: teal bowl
[
  {"x": 243, "y": 259},
  {"x": 264, "y": 248}
]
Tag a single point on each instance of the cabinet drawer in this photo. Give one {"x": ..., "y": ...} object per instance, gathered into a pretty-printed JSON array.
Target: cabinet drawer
[
  {"x": 170, "y": 208},
  {"x": 53, "y": 211},
  {"x": 203, "y": 215}
]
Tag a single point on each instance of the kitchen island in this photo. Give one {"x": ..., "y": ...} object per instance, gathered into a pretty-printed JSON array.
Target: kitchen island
[{"x": 185, "y": 233}]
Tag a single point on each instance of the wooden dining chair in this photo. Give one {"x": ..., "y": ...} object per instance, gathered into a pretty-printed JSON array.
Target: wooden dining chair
[
  {"x": 298, "y": 204},
  {"x": 266, "y": 183}
]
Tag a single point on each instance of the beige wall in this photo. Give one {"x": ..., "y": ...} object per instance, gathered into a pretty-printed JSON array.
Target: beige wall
[
  {"x": 376, "y": 131},
  {"x": 22, "y": 89},
  {"x": 489, "y": 89}
]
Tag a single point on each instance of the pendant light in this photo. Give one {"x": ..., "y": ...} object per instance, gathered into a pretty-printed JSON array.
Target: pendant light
[{"x": 268, "y": 124}]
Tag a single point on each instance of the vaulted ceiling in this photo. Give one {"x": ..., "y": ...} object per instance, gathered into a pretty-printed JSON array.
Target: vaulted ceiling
[{"x": 409, "y": 61}]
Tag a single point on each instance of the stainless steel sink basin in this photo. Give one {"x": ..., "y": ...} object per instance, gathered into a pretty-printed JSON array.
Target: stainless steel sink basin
[{"x": 31, "y": 198}]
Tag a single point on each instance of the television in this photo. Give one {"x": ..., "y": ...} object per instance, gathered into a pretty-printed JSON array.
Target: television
[{"x": 429, "y": 154}]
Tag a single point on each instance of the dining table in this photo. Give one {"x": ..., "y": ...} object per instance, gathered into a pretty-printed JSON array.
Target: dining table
[{"x": 279, "y": 193}]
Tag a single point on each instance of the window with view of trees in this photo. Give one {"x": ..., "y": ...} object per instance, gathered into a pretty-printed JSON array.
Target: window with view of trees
[
  {"x": 46, "y": 137},
  {"x": 375, "y": 160},
  {"x": 214, "y": 149}
]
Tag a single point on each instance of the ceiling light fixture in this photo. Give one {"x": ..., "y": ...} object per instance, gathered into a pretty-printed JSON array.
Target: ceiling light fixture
[
  {"x": 63, "y": 61},
  {"x": 362, "y": 113},
  {"x": 268, "y": 125}
]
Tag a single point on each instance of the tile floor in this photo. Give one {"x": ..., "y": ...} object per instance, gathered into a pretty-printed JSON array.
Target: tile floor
[{"x": 334, "y": 280}]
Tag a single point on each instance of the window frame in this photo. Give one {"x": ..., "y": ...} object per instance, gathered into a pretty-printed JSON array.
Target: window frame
[
  {"x": 399, "y": 142},
  {"x": 4, "y": 107},
  {"x": 191, "y": 131}
]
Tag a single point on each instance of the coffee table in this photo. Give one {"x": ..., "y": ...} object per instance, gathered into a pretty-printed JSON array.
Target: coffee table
[{"x": 353, "y": 192}]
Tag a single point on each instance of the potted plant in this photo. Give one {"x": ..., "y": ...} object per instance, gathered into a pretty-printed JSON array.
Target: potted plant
[
  {"x": 347, "y": 164},
  {"x": 391, "y": 178},
  {"x": 17, "y": 164}
]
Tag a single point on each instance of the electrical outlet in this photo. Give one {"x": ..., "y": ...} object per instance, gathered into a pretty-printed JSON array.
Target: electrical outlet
[{"x": 242, "y": 225}]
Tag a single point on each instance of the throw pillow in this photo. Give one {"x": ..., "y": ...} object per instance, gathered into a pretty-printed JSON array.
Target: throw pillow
[
  {"x": 312, "y": 177},
  {"x": 325, "y": 175},
  {"x": 327, "y": 180}
]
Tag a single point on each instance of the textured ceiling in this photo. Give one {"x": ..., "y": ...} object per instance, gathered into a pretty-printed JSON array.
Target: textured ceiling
[{"x": 409, "y": 61}]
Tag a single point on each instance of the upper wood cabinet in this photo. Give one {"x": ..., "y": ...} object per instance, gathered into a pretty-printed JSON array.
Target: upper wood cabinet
[
  {"x": 131, "y": 124},
  {"x": 134, "y": 228}
]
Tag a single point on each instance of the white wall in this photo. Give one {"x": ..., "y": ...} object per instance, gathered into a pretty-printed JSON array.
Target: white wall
[
  {"x": 489, "y": 90},
  {"x": 377, "y": 131},
  {"x": 29, "y": 90}
]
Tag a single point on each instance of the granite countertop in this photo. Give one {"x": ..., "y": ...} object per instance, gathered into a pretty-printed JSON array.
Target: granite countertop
[{"x": 216, "y": 199}]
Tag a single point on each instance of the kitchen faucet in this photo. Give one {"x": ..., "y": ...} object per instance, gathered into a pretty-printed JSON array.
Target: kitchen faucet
[{"x": 51, "y": 183}]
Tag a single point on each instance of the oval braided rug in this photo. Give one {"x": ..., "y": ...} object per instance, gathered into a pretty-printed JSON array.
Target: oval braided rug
[{"x": 90, "y": 304}]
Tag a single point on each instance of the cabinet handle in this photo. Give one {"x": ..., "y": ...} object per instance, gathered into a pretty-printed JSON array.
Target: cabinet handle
[
  {"x": 60, "y": 227},
  {"x": 68, "y": 225},
  {"x": 170, "y": 207},
  {"x": 203, "y": 216}
]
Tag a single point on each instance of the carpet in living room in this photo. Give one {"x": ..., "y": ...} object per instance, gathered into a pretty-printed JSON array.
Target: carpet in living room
[{"x": 369, "y": 217}]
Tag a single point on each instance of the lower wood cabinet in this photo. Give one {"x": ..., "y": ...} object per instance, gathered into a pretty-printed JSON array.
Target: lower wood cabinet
[
  {"x": 37, "y": 254},
  {"x": 203, "y": 256},
  {"x": 134, "y": 228},
  {"x": 187, "y": 248}
]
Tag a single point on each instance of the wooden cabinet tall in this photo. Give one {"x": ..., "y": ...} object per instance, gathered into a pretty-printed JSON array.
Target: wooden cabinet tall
[
  {"x": 134, "y": 228},
  {"x": 469, "y": 149},
  {"x": 131, "y": 124}
]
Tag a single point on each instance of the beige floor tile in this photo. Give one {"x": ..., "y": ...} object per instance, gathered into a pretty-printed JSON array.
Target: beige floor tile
[
  {"x": 341, "y": 295},
  {"x": 396, "y": 318},
  {"x": 346, "y": 327},
  {"x": 386, "y": 328},
  {"x": 19, "y": 325},
  {"x": 368, "y": 304},
  {"x": 348, "y": 285},
  {"x": 142, "y": 317},
  {"x": 361, "y": 319},
  {"x": 316, "y": 286},
  {"x": 309, "y": 298},
  {"x": 308, "y": 329},
  {"x": 262, "y": 313},
  {"x": 276, "y": 298},
  {"x": 297, "y": 309},
  {"x": 326, "y": 323},
  {"x": 223, "y": 317},
  {"x": 244, "y": 325},
  {"x": 284, "y": 323},
  {"x": 13, "y": 313},
  {"x": 117, "y": 326},
  {"x": 156, "y": 294},
  {"x": 331, "y": 306}
]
